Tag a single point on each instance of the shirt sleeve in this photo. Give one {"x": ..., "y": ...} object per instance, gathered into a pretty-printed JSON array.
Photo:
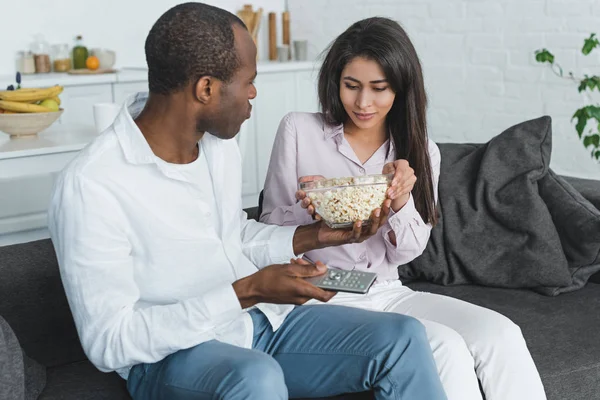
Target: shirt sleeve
[
  {"x": 280, "y": 206},
  {"x": 412, "y": 233},
  {"x": 267, "y": 244},
  {"x": 94, "y": 254}
]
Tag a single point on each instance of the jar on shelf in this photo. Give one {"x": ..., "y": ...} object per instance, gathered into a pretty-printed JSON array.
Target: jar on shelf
[
  {"x": 25, "y": 62},
  {"x": 61, "y": 58},
  {"x": 41, "y": 55}
]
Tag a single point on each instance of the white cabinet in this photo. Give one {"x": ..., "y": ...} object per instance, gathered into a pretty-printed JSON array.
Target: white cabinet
[
  {"x": 279, "y": 94},
  {"x": 25, "y": 197},
  {"x": 247, "y": 142},
  {"x": 122, "y": 90},
  {"x": 78, "y": 102},
  {"x": 28, "y": 170},
  {"x": 276, "y": 97},
  {"x": 306, "y": 97}
]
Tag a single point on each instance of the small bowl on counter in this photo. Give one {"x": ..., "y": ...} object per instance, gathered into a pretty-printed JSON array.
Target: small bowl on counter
[{"x": 106, "y": 57}]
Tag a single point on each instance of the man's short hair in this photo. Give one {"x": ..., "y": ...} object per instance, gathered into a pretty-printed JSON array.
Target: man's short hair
[{"x": 187, "y": 42}]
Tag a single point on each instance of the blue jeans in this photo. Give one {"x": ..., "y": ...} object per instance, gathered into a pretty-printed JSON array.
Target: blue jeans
[{"x": 318, "y": 351}]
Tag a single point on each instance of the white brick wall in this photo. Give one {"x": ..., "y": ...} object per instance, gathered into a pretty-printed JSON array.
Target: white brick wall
[{"x": 478, "y": 61}]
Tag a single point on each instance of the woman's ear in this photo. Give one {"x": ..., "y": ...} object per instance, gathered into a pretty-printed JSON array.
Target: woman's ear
[{"x": 206, "y": 89}]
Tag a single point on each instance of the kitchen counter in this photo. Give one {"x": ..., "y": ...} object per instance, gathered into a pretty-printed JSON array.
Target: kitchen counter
[
  {"x": 58, "y": 138},
  {"x": 129, "y": 75}
]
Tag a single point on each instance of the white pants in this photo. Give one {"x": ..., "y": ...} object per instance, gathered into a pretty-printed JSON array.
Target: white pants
[{"x": 468, "y": 342}]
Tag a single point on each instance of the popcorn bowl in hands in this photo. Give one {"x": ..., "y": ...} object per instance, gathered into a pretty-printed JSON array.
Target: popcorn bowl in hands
[{"x": 342, "y": 201}]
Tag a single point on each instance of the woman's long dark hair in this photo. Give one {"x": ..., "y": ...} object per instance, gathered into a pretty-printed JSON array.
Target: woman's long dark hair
[{"x": 384, "y": 41}]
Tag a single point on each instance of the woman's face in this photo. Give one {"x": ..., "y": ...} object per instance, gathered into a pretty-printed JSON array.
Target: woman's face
[{"x": 365, "y": 93}]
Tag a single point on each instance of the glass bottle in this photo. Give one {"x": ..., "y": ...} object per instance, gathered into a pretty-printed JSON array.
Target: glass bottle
[{"x": 80, "y": 53}]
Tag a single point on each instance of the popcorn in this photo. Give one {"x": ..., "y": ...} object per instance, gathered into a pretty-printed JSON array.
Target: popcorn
[{"x": 342, "y": 201}]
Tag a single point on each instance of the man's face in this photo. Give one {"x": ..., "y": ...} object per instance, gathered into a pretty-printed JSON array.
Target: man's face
[{"x": 234, "y": 107}]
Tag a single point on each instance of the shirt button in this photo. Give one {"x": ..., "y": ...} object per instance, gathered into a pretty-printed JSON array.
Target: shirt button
[
  {"x": 362, "y": 170},
  {"x": 363, "y": 256}
]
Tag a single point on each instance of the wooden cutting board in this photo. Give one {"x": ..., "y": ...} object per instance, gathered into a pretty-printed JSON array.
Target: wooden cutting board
[{"x": 86, "y": 71}]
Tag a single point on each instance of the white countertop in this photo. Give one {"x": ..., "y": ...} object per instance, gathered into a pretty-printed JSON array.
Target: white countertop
[
  {"x": 130, "y": 75},
  {"x": 58, "y": 138}
]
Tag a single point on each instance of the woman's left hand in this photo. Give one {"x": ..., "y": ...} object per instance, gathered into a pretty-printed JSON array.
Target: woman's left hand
[{"x": 402, "y": 183}]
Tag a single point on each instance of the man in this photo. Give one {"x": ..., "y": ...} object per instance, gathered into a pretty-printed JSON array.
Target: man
[{"x": 171, "y": 286}]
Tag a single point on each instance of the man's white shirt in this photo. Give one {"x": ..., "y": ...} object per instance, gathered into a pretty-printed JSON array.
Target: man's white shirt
[{"x": 148, "y": 250}]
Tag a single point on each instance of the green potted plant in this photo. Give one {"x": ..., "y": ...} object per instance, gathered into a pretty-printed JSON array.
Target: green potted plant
[{"x": 588, "y": 113}]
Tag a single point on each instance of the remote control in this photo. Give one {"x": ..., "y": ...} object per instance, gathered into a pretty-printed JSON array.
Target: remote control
[{"x": 340, "y": 280}]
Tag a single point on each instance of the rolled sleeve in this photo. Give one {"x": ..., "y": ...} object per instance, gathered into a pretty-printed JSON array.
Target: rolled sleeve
[
  {"x": 222, "y": 303},
  {"x": 281, "y": 247}
]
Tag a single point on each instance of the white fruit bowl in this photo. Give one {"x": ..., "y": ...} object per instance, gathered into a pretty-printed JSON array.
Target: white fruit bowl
[{"x": 27, "y": 124}]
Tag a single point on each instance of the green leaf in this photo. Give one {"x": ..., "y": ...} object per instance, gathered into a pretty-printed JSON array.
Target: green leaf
[
  {"x": 543, "y": 56},
  {"x": 592, "y": 140},
  {"x": 581, "y": 116},
  {"x": 597, "y": 155},
  {"x": 589, "y": 82},
  {"x": 590, "y": 44},
  {"x": 594, "y": 112}
]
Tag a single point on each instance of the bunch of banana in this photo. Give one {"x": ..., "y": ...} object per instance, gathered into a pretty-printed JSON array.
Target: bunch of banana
[{"x": 30, "y": 100}]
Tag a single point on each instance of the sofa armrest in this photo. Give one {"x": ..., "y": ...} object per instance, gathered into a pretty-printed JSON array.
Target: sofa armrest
[{"x": 589, "y": 188}]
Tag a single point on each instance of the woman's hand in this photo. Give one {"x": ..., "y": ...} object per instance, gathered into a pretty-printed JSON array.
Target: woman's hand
[
  {"x": 359, "y": 232},
  {"x": 304, "y": 199},
  {"x": 402, "y": 183}
]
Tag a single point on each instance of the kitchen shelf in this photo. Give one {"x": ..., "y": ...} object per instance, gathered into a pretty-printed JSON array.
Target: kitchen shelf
[{"x": 131, "y": 75}]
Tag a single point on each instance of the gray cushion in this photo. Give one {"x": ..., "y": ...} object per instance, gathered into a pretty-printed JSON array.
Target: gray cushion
[
  {"x": 494, "y": 228},
  {"x": 20, "y": 376},
  {"x": 12, "y": 370},
  {"x": 577, "y": 222},
  {"x": 35, "y": 377},
  {"x": 82, "y": 380},
  {"x": 589, "y": 188},
  {"x": 33, "y": 302},
  {"x": 561, "y": 332}
]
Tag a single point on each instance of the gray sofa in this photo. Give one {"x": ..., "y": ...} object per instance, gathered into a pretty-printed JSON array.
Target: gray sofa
[{"x": 561, "y": 332}]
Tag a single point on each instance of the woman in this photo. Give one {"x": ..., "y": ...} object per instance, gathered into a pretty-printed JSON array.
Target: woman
[{"x": 374, "y": 120}]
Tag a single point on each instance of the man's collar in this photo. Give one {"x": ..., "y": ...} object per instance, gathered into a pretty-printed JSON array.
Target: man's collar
[{"x": 134, "y": 144}]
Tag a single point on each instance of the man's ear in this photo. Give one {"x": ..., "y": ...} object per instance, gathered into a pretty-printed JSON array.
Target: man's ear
[{"x": 206, "y": 89}]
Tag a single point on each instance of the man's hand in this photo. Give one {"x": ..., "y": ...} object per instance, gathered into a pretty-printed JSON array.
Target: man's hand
[
  {"x": 402, "y": 183},
  {"x": 319, "y": 235},
  {"x": 327, "y": 236},
  {"x": 282, "y": 284}
]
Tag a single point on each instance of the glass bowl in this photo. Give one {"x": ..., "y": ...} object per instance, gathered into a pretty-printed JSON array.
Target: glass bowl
[{"x": 343, "y": 201}]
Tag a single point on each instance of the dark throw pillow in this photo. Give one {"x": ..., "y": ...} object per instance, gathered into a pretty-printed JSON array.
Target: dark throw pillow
[
  {"x": 494, "y": 228},
  {"x": 578, "y": 224}
]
